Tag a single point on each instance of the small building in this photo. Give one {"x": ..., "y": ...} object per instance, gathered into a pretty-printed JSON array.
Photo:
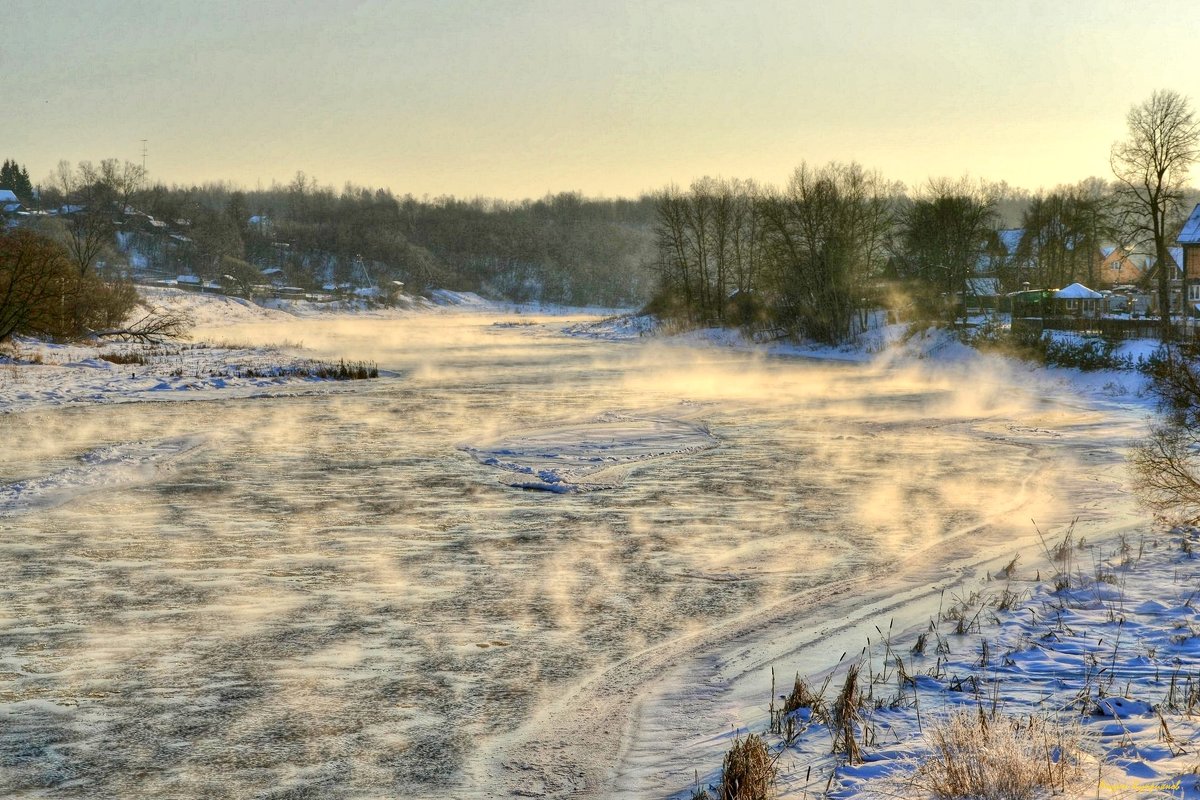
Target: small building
[
  {"x": 9, "y": 202},
  {"x": 1078, "y": 300},
  {"x": 981, "y": 294},
  {"x": 1030, "y": 303},
  {"x": 1120, "y": 266}
]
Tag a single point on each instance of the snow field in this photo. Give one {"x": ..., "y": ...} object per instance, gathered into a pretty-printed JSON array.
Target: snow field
[{"x": 1091, "y": 656}]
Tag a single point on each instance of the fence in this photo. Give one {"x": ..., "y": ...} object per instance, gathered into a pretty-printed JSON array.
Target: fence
[{"x": 1108, "y": 327}]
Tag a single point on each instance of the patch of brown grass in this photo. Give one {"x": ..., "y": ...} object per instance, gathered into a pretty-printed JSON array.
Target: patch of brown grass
[
  {"x": 749, "y": 771},
  {"x": 998, "y": 757}
]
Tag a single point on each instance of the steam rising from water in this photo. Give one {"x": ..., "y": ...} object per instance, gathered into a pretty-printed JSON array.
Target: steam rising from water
[{"x": 328, "y": 596}]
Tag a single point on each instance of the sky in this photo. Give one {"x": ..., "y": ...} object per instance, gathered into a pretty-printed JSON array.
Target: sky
[{"x": 518, "y": 98}]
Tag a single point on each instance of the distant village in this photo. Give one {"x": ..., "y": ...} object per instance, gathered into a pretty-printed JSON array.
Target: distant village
[
  {"x": 154, "y": 249},
  {"x": 1120, "y": 282}
]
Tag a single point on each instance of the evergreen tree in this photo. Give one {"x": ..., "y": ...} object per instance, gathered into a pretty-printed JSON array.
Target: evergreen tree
[
  {"x": 16, "y": 178},
  {"x": 24, "y": 188}
]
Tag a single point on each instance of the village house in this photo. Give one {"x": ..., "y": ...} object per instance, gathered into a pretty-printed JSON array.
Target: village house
[
  {"x": 9, "y": 202},
  {"x": 1120, "y": 266},
  {"x": 1189, "y": 255}
]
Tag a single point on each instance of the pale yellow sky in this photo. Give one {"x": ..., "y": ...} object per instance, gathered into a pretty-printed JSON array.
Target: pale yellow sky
[{"x": 516, "y": 99}]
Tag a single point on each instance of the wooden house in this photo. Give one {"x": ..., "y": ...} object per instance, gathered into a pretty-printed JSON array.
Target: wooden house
[{"x": 1189, "y": 255}]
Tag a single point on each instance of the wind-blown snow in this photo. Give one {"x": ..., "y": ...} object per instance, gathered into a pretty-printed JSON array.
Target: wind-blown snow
[
  {"x": 592, "y": 455},
  {"x": 105, "y": 468}
]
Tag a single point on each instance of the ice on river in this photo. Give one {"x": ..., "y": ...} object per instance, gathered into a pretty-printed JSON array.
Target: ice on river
[
  {"x": 108, "y": 467},
  {"x": 596, "y": 454},
  {"x": 330, "y": 597}
]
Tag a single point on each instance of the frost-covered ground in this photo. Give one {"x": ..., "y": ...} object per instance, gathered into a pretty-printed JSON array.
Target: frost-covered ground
[
  {"x": 336, "y": 590},
  {"x": 36, "y": 375},
  {"x": 213, "y": 364},
  {"x": 1099, "y": 640}
]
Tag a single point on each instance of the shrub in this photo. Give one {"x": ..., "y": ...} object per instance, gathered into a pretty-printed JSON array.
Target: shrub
[
  {"x": 1087, "y": 353},
  {"x": 998, "y": 757},
  {"x": 43, "y": 294},
  {"x": 123, "y": 358},
  {"x": 749, "y": 771},
  {"x": 1090, "y": 353}
]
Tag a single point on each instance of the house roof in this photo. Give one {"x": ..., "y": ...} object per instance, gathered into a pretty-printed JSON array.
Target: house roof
[
  {"x": 983, "y": 287},
  {"x": 8, "y": 196},
  {"x": 1077, "y": 291},
  {"x": 1011, "y": 238},
  {"x": 1191, "y": 229}
]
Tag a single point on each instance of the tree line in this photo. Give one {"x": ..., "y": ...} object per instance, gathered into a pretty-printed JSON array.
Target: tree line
[
  {"x": 562, "y": 248},
  {"x": 815, "y": 257},
  {"x": 839, "y": 241}
]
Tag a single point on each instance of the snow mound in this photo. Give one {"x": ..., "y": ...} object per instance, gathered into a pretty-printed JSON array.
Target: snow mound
[
  {"x": 464, "y": 300},
  {"x": 592, "y": 455},
  {"x": 110, "y": 467},
  {"x": 615, "y": 328},
  {"x": 209, "y": 310}
]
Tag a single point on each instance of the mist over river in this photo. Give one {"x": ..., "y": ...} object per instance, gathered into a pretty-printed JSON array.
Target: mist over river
[{"x": 332, "y": 593}]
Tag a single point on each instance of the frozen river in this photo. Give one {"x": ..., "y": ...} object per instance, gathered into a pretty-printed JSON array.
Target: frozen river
[{"x": 345, "y": 595}]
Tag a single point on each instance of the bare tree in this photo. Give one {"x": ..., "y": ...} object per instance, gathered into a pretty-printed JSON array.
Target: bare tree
[
  {"x": 34, "y": 272},
  {"x": 1151, "y": 166},
  {"x": 943, "y": 235},
  {"x": 1166, "y": 465},
  {"x": 824, "y": 238},
  {"x": 97, "y": 197},
  {"x": 151, "y": 326}
]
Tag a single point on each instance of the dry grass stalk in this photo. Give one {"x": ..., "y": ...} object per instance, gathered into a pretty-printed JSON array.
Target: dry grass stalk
[
  {"x": 997, "y": 757},
  {"x": 749, "y": 771},
  {"x": 802, "y": 696},
  {"x": 845, "y": 715}
]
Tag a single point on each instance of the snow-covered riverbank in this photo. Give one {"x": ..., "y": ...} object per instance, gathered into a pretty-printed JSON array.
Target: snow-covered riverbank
[{"x": 1088, "y": 651}]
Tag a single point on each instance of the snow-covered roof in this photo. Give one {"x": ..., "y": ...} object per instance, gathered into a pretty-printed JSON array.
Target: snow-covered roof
[
  {"x": 1077, "y": 291},
  {"x": 10, "y": 207},
  {"x": 1010, "y": 238},
  {"x": 8, "y": 196},
  {"x": 983, "y": 287},
  {"x": 1107, "y": 250},
  {"x": 272, "y": 271},
  {"x": 192, "y": 279},
  {"x": 1191, "y": 229}
]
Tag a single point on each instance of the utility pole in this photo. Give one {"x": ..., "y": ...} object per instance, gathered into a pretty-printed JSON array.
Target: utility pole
[{"x": 143, "y": 159}]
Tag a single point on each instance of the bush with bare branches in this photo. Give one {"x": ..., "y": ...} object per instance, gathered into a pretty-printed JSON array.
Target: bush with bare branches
[{"x": 1166, "y": 465}]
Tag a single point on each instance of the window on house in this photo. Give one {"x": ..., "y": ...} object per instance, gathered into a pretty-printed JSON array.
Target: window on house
[{"x": 1194, "y": 292}]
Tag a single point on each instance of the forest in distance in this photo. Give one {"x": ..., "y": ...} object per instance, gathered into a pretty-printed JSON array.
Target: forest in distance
[{"x": 812, "y": 258}]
